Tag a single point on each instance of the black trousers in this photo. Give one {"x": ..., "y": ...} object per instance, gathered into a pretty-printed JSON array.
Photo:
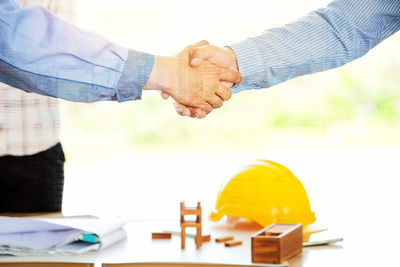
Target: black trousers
[{"x": 32, "y": 183}]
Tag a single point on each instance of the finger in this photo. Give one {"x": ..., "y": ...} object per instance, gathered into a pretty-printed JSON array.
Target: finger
[
  {"x": 189, "y": 111},
  {"x": 186, "y": 111},
  {"x": 205, "y": 107},
  {"x": 197, "y": 113},
  {"x": 192, "y": 112},
  {"x": 178, "y": 109},
  {"x": 202, "y": 115},
  {"x": 201, "y": 43},
  {"x": 223, "y": 92},
  {"x": 229, "y": 75},
  {"x": 164, "y": 95},
  {"x": 199, "y": 54},
  {"x": 182, "y": 109},
  {"x": 198, "y": 44},
  {"x": 215, "y": 101},
  {"x": 227, "y": 84}
]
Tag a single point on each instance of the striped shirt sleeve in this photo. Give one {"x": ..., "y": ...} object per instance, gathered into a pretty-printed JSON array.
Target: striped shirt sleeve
[{"x": 323, "y": 39}]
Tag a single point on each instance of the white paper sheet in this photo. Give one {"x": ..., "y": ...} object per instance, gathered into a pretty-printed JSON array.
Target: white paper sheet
[
  {"x": 89, "y": 225},
  {"x": 10, "y": 225},
  {"x": 39, "y": 240},
  {"x": 39, "y": 236}
]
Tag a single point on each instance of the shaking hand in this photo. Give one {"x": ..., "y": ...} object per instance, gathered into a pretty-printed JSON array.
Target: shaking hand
[
  {"x": 199, "y": 54},
  {"x": 199, "y": 87}
]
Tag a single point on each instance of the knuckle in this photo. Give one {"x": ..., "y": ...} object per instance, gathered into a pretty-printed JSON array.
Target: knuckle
[
  {"x": 207, "y": 108},
  {"x": 216, "y": 103},
  {"x": 233, "y": 75},
  {"x": 225, "y": 91},
  {"x": 199, "y": 103},
  {"x": 229, "y": 95},
  {"x": 194, "y": 51},
  {"x": 238, "y": 78}
]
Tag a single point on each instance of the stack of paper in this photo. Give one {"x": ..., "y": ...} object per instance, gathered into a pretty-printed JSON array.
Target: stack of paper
[{"x": 27, "y": 236}]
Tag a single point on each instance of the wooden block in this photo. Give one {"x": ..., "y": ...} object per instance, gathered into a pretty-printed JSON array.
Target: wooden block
[
  {"x": 199, "y": 240},
  {"x": 190, "y": 224},
  {"x": 224, "y": 239},
  {"x": 276, "y": 243},
  {"x": 183, "y": 238},
  {"x": 190, "y": 211},
  {"x": 233, "y": 243},
  {"x": 206, "y": 238},
  {"x": 164, "y": 235},
  {"x": 196, "y": 211}
]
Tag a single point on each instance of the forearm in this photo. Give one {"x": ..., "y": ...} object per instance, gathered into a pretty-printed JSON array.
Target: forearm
[
  {"x": 324, "y": 39},
  {"x": 41, "y": 53}
]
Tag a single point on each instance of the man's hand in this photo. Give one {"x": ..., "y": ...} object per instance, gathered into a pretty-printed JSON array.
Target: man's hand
[
  {"x": 198, "y": 87},
  {"x": 223, "y": 57}
]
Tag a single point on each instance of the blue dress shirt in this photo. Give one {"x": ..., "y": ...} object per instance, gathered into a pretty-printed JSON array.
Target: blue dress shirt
[
  {"x": 326, "y": 38},
  {"x": 44, "y": 54}
]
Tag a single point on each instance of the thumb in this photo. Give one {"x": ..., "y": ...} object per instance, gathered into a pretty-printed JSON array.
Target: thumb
[
  {"x": 198, "y": 44},
  {"x": 199, "y": 54}
]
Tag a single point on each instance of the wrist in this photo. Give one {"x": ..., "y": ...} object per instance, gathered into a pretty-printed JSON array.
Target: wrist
[{"x": 163, "y": 76}]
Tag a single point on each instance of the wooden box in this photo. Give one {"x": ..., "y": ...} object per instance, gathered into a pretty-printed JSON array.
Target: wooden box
[{"x": 276, "y": 243}]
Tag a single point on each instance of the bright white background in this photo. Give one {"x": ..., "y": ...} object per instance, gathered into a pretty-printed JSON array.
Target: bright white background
[{"x": 348, "y": 187}]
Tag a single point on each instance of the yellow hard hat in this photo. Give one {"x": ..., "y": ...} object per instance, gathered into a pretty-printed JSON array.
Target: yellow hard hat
[{"x": 267, "y": 193}]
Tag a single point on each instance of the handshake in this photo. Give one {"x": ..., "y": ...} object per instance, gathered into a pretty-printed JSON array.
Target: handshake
[{"x": 199, "y": 78}]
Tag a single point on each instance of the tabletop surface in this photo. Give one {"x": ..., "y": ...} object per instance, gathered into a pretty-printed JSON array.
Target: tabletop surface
[
  {"x": 140, "y": 248},
  {"x": 374, "y": 249}
]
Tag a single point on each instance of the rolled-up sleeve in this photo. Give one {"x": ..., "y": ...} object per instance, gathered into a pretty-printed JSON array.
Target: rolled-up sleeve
[
  {"x": 324, "y": 39},
  {"x": 41, "y": 53}
]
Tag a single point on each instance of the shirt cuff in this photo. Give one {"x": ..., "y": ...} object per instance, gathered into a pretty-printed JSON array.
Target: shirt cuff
[
  {"x": 250, "y": 64},
  {"x": 138, "y": 68}
]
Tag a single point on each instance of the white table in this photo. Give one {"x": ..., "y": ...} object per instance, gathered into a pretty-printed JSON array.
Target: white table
[{"x": 140, "y": 250}]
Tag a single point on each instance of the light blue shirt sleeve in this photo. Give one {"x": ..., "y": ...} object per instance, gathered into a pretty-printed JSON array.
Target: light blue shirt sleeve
[
  {"x": 324, "y": 39},
  {"x": 41, "y": 53}
]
